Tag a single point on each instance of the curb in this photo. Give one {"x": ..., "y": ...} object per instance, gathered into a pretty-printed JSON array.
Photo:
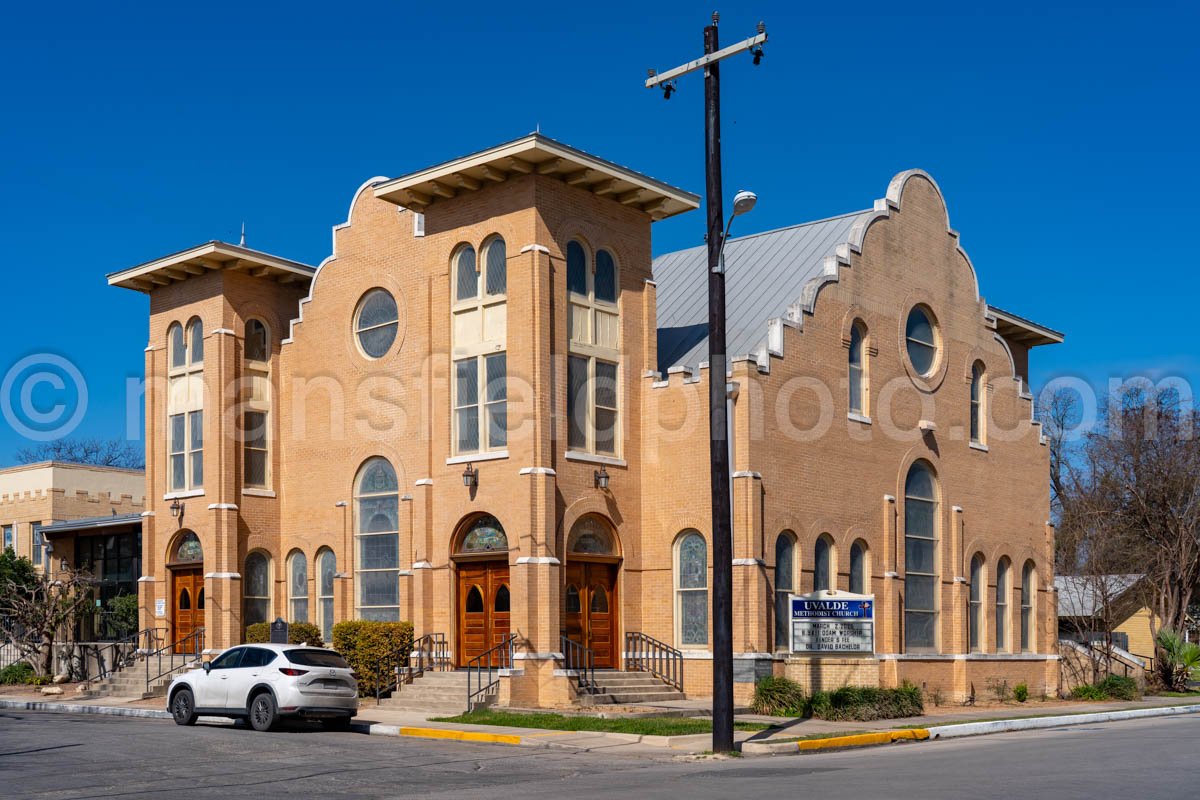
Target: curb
[
  {"x": 1035, "y": 723},
  {"x": 439, "y": 733},
  {"x": 836, "y": 742},
  {"x": 77, "y": 708}
]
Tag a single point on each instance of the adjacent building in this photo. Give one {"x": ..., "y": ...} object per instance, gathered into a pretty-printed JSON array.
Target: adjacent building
[{"x": 485, "y": 413}]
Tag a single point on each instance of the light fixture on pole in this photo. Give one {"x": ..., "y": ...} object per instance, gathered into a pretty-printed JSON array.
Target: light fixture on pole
[
  {"x": 600, "y": 477},
  {"x": 470, "y": 477},
  {"x": 743, "y": 203},
  {"x": 718, "y": 422}
]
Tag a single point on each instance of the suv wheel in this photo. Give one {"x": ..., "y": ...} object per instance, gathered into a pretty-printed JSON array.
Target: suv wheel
[
  {"x": 183, "y": 707},
  {"x": 263, "y": 714}
]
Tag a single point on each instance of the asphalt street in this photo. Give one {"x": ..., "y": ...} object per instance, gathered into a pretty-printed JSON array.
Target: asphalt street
[{"x": 65, "y": 756}]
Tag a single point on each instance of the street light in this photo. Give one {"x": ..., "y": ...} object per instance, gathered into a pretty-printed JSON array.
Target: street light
[{"x": 743, "y": 203}]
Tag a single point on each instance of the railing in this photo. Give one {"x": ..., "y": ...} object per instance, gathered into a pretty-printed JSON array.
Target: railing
[
  {"x": 430, "y": 653},
  {"x": 120, "y": 654},
  {"x": 646, "y": 654},
  {"x": 174, "y": 655},
  {"x": 580, "y": 660},
  {"x": 483, "y": 671}
]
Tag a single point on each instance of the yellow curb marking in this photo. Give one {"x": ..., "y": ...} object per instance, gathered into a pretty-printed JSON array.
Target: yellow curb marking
[
  {"x": 864, "y": 739},
  {"x": 461, "y": 736}
]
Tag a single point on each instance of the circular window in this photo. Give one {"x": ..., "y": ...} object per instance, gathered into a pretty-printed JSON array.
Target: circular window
[
  {"x": 921, "y": 340},
  {"x": 376, "y": 323}
]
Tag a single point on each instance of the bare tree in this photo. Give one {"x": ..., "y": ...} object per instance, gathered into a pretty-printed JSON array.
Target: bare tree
[
  {"x": 96, "y": 452},
  {"x": 38, "y": 611}
]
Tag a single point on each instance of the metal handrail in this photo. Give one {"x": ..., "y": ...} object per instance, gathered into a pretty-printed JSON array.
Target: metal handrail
[
  {"x": 430, "y": 653},
  {"x": 394, "y": 666},
  {"x": 116, "y": 656},
  {"x": 581, "y": 660},
  {"x": 646, "y": 654},
  {"x": 490, "y": 662},
  {"x": 178, "y": 653}
]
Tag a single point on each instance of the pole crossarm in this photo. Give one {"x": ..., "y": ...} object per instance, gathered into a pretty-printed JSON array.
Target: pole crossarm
[{"x": 703, "y": 61}]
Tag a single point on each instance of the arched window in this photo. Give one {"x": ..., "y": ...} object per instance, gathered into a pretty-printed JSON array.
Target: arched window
[
  {"x": 858, "y": 369},
  {"x": 822, "y": 564},
  {"x": 195, "y": 343},
  {"x": 484, "y": 535},
  {"x": 977, "y": 396},
  {"x": 479, "y": 323},
  {"x": 1003, "y": 581},
  {"x": 326, "y": 575},
  {"x": 691, "y": 590},
  {"x": 377, "y": 526},
  {"x": 975, "y": 606},
  {"x": 591, "y": 536},
  {"x": 185, "y": 406},
  {"x": 785, "y": 584},
  {"x": 573, "y": 605},
  {"x": 1028, "y": 607},
  {"x": 187, "y": 549},
  {"x": 920, "y": 335},
  {"x": 256, "y": 407},
  {"x": 858, "y": 567},
  {"x": 298, "y": 587},
  {"x": 256, "y": 589},
  {"x": 376, "y": 323},
  {"x": 594, "y": 359},
  {"x": 185, "y": 601},
  {"x": 920, "y": 559},
  {"x": 474, "y": 601},
  {"x": 503, "y": 601},
  {"x": 599, "y": 604}
]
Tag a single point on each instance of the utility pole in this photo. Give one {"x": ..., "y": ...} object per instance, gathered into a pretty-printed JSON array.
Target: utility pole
[{"x": 718, "y": 422}]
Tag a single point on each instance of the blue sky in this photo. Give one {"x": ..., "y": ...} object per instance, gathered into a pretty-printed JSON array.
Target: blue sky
[{"x": 1064, "y": 136}]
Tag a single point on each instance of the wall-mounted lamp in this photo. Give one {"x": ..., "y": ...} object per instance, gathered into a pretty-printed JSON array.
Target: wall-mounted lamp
[
  {"x": 62, "y": 565},
  {"x": 340, "y": 504},
  {"x": 470, "y": 476},
  {"x": 176, "y": 509},
  {"x": 600, "y": 479}
]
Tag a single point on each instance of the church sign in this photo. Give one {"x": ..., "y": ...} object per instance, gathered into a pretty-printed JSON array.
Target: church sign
[{"x": 837, "y": 623}]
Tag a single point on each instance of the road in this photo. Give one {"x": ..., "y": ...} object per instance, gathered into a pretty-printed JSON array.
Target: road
[{"x": 66, "y": 756}]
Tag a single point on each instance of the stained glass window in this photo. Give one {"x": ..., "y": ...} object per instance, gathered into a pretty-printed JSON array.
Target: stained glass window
[
  {"x": 822, "y": 566},
  {"x": 590, "y": 537},
  {"x": 377, "y": 506},
  {"x": 327, "y": 569},
  {"x": 189, "y": 548},
  {"x": 920, "y": 549},
  {"x": 785, "y": 561},
  {"x": 377, "y": 323},
  {"x": 858, "y": 568},
  {"x": 692, "y": 589},
  {"x": 298, "y": 586},
  {"x": 256, "y": 600},
  {"x": 484, "y": 536}
]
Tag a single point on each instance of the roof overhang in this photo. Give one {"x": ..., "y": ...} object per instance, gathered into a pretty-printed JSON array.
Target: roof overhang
[
  {"x": 208, "y": 257},
  {"x": 90, "y": 524},
  {"x": 538, "y": 155},
  {"x": 1023, "y": 331}
]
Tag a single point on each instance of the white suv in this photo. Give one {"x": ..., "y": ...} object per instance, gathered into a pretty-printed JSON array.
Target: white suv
[{"x": 263, "y": 682}]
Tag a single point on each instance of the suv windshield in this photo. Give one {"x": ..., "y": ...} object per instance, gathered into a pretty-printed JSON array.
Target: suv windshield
[{"x": 316, "y": 658}]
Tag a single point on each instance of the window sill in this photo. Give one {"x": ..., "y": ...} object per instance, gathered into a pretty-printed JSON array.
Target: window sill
[
  {"x": 592, "y": 458},
  {"x": 983, "y": 448},
  {"x": 865, "y": 420},
  {"x": 493, "y": 455},
  {"x": 259, "y": 492},
  {"x": 182, "y": 495}
]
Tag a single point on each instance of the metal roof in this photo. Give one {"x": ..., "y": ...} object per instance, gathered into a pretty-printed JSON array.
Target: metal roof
[
  {"x": 765, "y": 274},
  {"x": 1078, "y": 596},
  {"x": 90, "y": 523}
]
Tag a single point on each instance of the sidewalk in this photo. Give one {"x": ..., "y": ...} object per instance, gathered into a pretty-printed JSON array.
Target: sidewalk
[{"x": 944, "y": 721}]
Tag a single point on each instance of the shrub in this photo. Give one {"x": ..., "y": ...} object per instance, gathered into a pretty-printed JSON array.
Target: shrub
[
  {"x": 1001, "y": 690},
  {"x": 124, "y": 608},
  {"x": 778, "y": 697},
  {"x": 373, "y": 649},
  {"x": 865, "y": 703},
  {"x": 19, "y": 672},
  {"x": 1088, "y": 691},
  {"x": 1179, "y": 662},
  {"x": 1119, "y": 687},
  {"x": 298, "y": 633},
  {"x": 1021, "y": 692}
]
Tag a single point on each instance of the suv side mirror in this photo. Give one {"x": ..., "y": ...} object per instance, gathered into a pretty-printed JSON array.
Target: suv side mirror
[{"x": 207, "y": 667}]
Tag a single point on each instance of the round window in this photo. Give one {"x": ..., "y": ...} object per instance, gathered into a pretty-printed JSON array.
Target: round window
[
  {"x": 921, "y": 340},
  {"x": 376, "y": 323}
]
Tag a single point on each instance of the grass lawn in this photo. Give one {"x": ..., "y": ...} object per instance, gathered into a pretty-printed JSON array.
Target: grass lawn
[{"x": 651, "y": 726}]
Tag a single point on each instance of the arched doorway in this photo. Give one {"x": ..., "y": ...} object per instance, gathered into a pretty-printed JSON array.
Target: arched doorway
[
  {"x": 591, "y": 612},
  {"x": 185, "y": 560},
  {"x": 483, "y": 595}
]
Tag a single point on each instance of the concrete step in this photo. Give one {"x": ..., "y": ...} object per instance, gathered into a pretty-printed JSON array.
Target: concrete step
[
  {"x": 661, "y": 696},
  {"x": 453, "y": 678},
  {"x": 433, "y": 695}
]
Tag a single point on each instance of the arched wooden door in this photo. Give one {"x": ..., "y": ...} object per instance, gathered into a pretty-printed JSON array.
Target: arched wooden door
[
  {"x": 590, "y": 610},
  {"x": 484, "y": 601},
  {"x": 188, "y": 599}
]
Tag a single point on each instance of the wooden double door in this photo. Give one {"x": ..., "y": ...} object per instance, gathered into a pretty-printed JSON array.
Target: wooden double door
[
  {"x": 484, "y": 602},
  {"x": 188, "y": 606},
  {"x": 590, "y": 610}
]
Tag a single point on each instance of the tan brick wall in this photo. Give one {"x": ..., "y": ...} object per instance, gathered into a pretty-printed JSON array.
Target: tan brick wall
[{"x": 334, "y": 409}]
